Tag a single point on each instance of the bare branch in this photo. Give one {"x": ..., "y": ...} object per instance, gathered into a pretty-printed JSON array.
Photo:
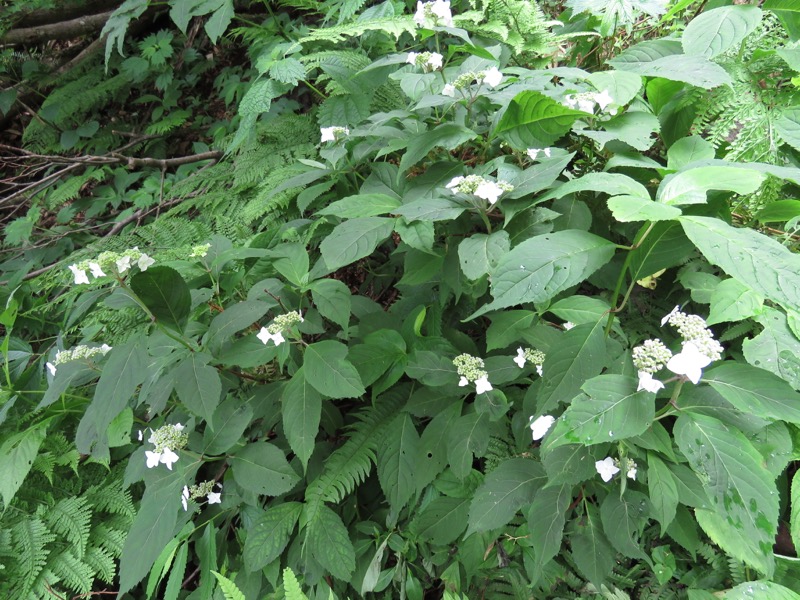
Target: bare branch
[{"x": 65, "y": 30}]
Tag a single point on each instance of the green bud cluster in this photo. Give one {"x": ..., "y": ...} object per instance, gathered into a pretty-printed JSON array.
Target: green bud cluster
[
  {"x": 693, "y": 328},
  {"x": 80, "y": 353},
  {"x": 201, "y": 490},
  {"x": 169, "y": 436},
  {"x": 651, "y": 356},
  {"x": 199, "y": 251},
  {"x": 534, "y": 357},
  {"x": 283, "y": 322},
  {"x": 469, "y": 367}
]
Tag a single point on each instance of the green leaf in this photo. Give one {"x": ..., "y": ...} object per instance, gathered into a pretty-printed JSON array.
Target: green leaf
[
  {"x": 507, "y": 327},
  {"x": 665, "y": 246},
  {"x": 479, "y": 253},
  {"x": 447, "y": 135},
  {"x": 177, "y": 573},
  {"x": 546, "y": 520},
  {"x": 580, "y": 309},
  {"x": 613, "y": 184},
  {"x": 688, "y": 150},
  {"x": 775, "y": 349},
  {"x": 634, "y": 208},
  {"x": 354, "y": 239},
  {"x": 302, "y": 408},
  {"x": 291, "y": 586},
  {"x": 509, "y": 487},
  {"x": 198, "y": 385},
  {"x": 268, "y": 537},
  {"x": 663, "y": 490},
  {"x": 794, "y": 503},
  {"x": 16, "y": 459},
  {"x": 635, "y": 128},
  {"x": 468, "y": 436},
  {"x": 219, "y": 21},
  {"x": 532, "y": 119},
  {"x": 291, "y": 261},
  {"x": 431, "y": 209},
  {"x": 716, "y": 31},
  {"x": 620, "y": 85},
  {"x": 290, "y": 70},
  {"x": 442, "y": 521},
  {"x": 593, "y": 555},
  {"x": 694, "y": 70},
  {"x": 539, "y": 176},
  {"x": 623, "y": 518},
  {"x": 231, "y": 320},
  {"x": 755, "y": 391},
  {"x": 760, "y": 590},
  {"x": 431, "y": 368},
  {"x": 327, "y": 541},
  {"x": 778, "y": 211},
  {"x": 756, "y": 260},
  {"x": 397, "y": 456},
  {"x": 230, "y": 420},
  {"x": 329, "y": 372},
  {"x": 690, "y": 186},
  {"x": 229, "y": 589},
  {"x": 261, "y": 467},
  {"x": 569, "y": 464},
  {"x": 164, "y": 292},
  {"x": 361, "y": 205},
  {"x": 579, "y": 355},
  {"x": 7, "y": 99},
  {"x": 349, "y": 109},
  {"x": 544, "y": 265},
  {"x": 788, "y": 127},
  {"x": 732, "y": 301},
  {"x": 742, "y": 493},
  {"x": 332, "y": 299},
  {"x": 612, "y": 410}
]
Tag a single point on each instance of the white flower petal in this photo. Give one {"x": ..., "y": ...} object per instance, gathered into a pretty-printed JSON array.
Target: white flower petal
[
  {"x": 520, "y": 358},
  {"x": 541, "y": 426},
  {"x": 412, "y": 58},
  {"x": 539, "y": 370},
  {"x": 492, "y": 77},
  {"x": 646, "y": 382},
  {"x": 168, "y": 457},
  {"x": 606, "y": 468},
  {"x": 214, "y": 498},
  {"x": 449, "y": 90},
  {"x": 463, "y": 381},
  {"x": 51, "y": 368},
  {"x": 79, "y": 274},
  {"x": 123, "y": 264},
  {"x": 489, "y": 190},
  {"x": 144, "y": 262},
  {"x": 482, "y": 385},
  {"x": 666, "y": 319},
  {"x": 96, "y": 270},
  {"x": 603, "y": 99},
  {"x": 327, "y": 134},
  {"x": 153, "y": 458},
  {"x": 689, "y": 362},
  {"x": 632, "y": 472}
]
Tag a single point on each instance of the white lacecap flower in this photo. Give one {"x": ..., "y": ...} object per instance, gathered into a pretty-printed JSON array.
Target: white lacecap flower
[
  {"x": 144, "y": 262},
  {"x": 648, "y": 383},
  {"x": 214, "y": 497},
  {"x": 152, "y": 458},
  {"x": 436, "y": 13},
  {"x": 489, "y": 190},
  {"x": 492, "y": 77},
  {"x": 463, "y": 381},
  {"x": 520, "y": 357},
  {"x": 265, "y": 336},
  {"x": 123, "y": 264},
  {"x": 79, "y": 274},
  {"x": 168, "y": 458},
  {"x": 96, "y": 270},
  {"x": 603, "y": 99},
  {"x": 539, "y": 370},
  {"x": 411, "y": 58},
  {"x": 482, "y": 385},
  {"x": 435, "y": 61},
  {"x": 541, "y": 426},
  {"x": 606, "y": 468},
  {"x": 51, "y": 368},
  {"x": 631, "y": 470},
  {"x": 454, "y": 183},
  {"x": 449, "y": 90},
  {"x": 586, "y": 105},
  {"x": 333, "y": 133},
  {"x": 185, "y": 498},
  {"x": 689, "y": 362}
]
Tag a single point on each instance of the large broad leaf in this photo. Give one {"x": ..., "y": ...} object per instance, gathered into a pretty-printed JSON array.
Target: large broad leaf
[
  {"x": 546, "y": 520},
  {"x": 447, "y": 135},
  {"x": 613, "y": 184},
  {"x": 635, "y": 128},
  {"x": 16, "y": 459},
  {"x": 165, "y": 294},
  {"x": 756, "y": 391},
  {"x": 623, "y": 519},
  {"x": 361, "y": 205},
  {"x": 579, "y": 355},
  {"x": 261, "y": 467},
  {"x": 509, "y": 487},
  {"x": 533, "y": 119},
  {"x": 302, "y": 408},
  {"x": 760, "y": 590},
  {"x": 788, "y": 126},
  {"x": 593, "y": 555},
  {"x": 695, "y": 70},
  {"x": 688, "y": 150},
  {"x": 611, "y": 410},
  {"x": 663, "y": 490},
  {"x": 634, "y": 208},
  {"x": 431, "y": 209},
  {"x": 539, "y": 176},
  {"x": 741, "y": 491},
  {"x": 775, "y": 349},
  {"x": 620, "y": 85},
  {"x": 328, "y": 543},
  {"x": 354, "y": 239},
  {"x": 544, "y": 265},
  {"x": 231, "y": 320},
  {"x": 479, "y": 253},
  {"x": 733, "y": 301},
  {"x": 231, "y": 418},
  {"x": 442, "y": 521},
  {"x": 690, "y": 186},
  {"x": 716, "y": 31},
  {"x": 269, "y": 535},
  {"x": 397, "y": 457},
  {"x": 468, "y": 436},
  {"x": 665, "y": 246},
  {"x": 198, "y": 385},
  {"x": 756, "y": 260},
  {"x": 617, "y": 13},
  {"x": 332, "y": 299},
  {"x": 329, "y": 372}
]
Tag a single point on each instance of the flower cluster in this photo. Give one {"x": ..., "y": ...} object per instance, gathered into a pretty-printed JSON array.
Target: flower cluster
[
  {"x": 118, "y": 262},
  {"x": 77, "y": 353},
  {"x": 166, "y": 440},
  {"x": 491, "y": 77},
  {"x": 541, "y": 426},
  {"x": 427, "y": 61},
  {"x": 274, "y": 331},
  {"x": 608, "y": 467},
  {"x": 586, "y": 101},
  {"x": 201, "y": 490},
  {"x": 650, "y": 358},
  {"x": 199, "y": 251},
  {"x": 529, "y": 355},
  {"x": 533, "y": 153},
  {"x": 470, "y": 369},
  {"x": 436, "y": 14},
  {"x": 699, "y": 346},
  {"x": 333, "y": 134},
  {"x": 480, "y": 187}
]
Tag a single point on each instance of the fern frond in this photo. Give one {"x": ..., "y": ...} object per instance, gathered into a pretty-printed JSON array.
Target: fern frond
[
  {"x": 71, "y": 519},
  {"x": 394, "y": 26},
  {"x": 30, "y": 540},
  {"x": 72, "y": 572}
]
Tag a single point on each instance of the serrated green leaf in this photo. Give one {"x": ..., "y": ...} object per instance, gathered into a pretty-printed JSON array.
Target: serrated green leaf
[
  {"x": 229, "y": 589},
  {"x": 544, "y": 265},
  {"x": 593, "y": 555},
  {"x": 635, "y": 128},
  {"x": 361, "y": 205},
  {"x": 732, "y": 301},
  {"x": 262, "y": 468},
  {"x": 329, "y": 372},
  {"x": 776, "y": 348},
  {"x": 663, "y": 490},
  {"x": 623, "y": 519},
  {"x": 507, "y": 327},
  {"x": 468, "y": 436},
  {"x": 218, "y": 22},
  {"x": 332, "y": 299},
  {"x": 634, "y": 208},
  {"x": 546, "y": 520},
  {"x": 447, "y": 135},
  {"x": 756, "y": 260},
  {"x": 509, "y": 487},
  {"x": 302, "y": 409},
  {"x": 16, "y": 459},
  {"x": 742, "y": 493},
  {"x": 569, "y": 464},
  {"x": 535, "y": 120},
  {"x": 327, "y": 541},
  {"x": 713, "y": 32},
  {"x": 354, "y": 239},
  {"x": 231, "y": 320},
  {"x": 760, "y": 590},
  {"x": 690, "y": 186},
  {"x": 230, "y": 420},
  {"x": 431, "y": 209},
  {"x": 788, "y": 127},
  {"x": 688, "y": 150},
  {"x": 198, "y": 385},
  {"x": 694, "y": 70},
  {"x": 479, "y": 253},
  {"x": 290, "y": 70},
  {"x": 611, "y": 410},
  {"x": 778, "y": 211},
  {"x": 613, "y": 184},
  {"x": 164, "y": 292},
  {"x": 442, "y": 521},
  {"x": 268, "y": 537},
  {"x": 397, "y": 456}
]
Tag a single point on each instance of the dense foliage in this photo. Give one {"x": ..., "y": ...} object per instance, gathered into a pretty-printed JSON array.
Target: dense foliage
[{"x": 344, "y": 299}]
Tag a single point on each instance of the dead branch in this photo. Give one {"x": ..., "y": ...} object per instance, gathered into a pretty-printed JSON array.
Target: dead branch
[
  {"x": 64, "y": 30},
  {"x": 45, "y": 16}
]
